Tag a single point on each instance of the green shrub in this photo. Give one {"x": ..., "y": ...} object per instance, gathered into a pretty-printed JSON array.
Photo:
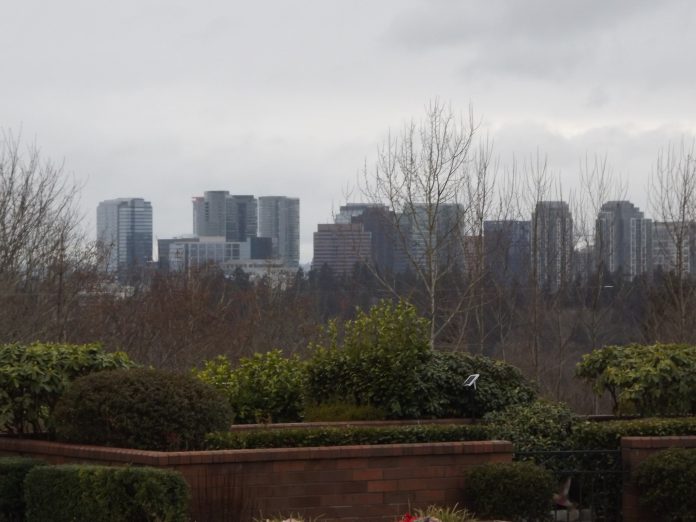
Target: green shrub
[
  {"x": 139, "y": 408},
  {"x": 607, "y": 435},
  {"x": 666, "y": 484},
  {"x": 341, "y": 411},
  {"x": 500, "y": 385},
  {"x": 344, "y": 436},
  {"x": 657, "y": 379},
  {"x": 384, "y": 360},
  {"x": 377, "y": 362},
  {"x": 32, "y": 379},
  {"x": 13, "y": 470},
  {"x": 264, "y": 388},
  {"x": 540, "y": 425},
  {"x": 109, "y": 494},
  {"x": 514, "y": 491}
]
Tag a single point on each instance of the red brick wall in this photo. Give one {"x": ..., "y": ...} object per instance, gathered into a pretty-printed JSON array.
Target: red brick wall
[
  {"x": 635, "y": 450},
  {"x": 366, "y": 483}
]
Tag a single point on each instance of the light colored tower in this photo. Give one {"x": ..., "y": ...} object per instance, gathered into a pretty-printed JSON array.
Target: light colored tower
[
  {"x": 124, "y": 233},
  {"x": 279, "y": 219}
]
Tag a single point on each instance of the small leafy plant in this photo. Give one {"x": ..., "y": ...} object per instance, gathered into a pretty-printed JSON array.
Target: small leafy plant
[{"x": 266, "y": 387}]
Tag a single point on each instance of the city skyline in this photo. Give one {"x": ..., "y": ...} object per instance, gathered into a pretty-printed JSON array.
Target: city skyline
[{"x": 133, "y": 98}]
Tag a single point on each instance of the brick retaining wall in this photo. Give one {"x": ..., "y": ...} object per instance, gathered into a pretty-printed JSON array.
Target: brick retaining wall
[
  {"x": 635, "y": 450},
  {"x": 350, "y": 483}
]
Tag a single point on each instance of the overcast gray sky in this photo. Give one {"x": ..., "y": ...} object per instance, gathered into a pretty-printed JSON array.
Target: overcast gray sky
[{"x": 167, "y": 99}]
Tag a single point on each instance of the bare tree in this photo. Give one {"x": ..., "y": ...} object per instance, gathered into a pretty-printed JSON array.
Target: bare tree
[
  {"x": 673, "y": 202},
  {"x": 42, "y": 252},
  {"x": 438, "y": 184}
]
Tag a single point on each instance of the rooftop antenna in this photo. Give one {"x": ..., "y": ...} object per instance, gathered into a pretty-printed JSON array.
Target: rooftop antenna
[{"x": 471, "y": 380}]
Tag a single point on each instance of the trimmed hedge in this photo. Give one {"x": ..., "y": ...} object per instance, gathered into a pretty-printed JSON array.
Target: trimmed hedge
[
  {"x": 343, "y": 411},
  {"x": 666, "y": 483},
  {"x": 347, "y": 436},
  {"x": 607, "y": 435},
  {"x": 513, "y": 491},
  {"x": 538, "y": 426},
  {"x": 13, "y": 470},
  {"x": 141, "y": 409},
  {"x": 100, "y": 493}
]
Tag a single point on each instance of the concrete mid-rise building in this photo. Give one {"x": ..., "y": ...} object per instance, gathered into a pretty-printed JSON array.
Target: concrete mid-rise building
[{"x": 340, "y": 246}]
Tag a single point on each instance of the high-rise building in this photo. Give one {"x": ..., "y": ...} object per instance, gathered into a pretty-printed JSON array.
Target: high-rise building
[
  {"x": 378, "y": 220},
  {"x": 124, "y": 233},
  {"x": 507, "y": 249},
  {"x": 242, "y": 218},
  {"x": 672, "y": 244},
  {"x": 219, "y": 214},
  {"x": 431, "y": 234},
  {"x": 279, "y": 219},
  {"x": 623, "y": 241},
  {"x": 552, "y": 244},
  {"x": 341, "y": 246}
]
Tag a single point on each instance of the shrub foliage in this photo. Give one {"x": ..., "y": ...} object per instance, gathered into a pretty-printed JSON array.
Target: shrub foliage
[
  {"x": 384, "y": 360},
  {"x": 607, "y": 435},
  {"x": 264, "y": 388},
  {"x": 376, "y": 362},
  {"x": 658, "y": 379},
  {"x": 13, "y": 470},
  {"x": 666, "y": 483},
  {"x": 139, "y": 408},
  {"x": 538, "y": 426},
  {"x": 32, "y": 379},
  {"x": 118, "y": 494},
  {"x": 517, "y": 491}
]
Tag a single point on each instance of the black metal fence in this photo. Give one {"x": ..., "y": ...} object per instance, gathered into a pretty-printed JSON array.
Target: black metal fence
[{"x": 593, "y": 479}]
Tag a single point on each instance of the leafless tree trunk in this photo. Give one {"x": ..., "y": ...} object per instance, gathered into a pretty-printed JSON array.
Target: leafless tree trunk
[
  {"x": 439, "y": 185},
  {"x": 673, "y": 202},
  {"x": 42, "y": 252}
]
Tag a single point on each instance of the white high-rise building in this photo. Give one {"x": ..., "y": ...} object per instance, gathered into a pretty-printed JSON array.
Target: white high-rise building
[
  {"x": 279, "y": 219},
  {"x": 124, "y": 233}
]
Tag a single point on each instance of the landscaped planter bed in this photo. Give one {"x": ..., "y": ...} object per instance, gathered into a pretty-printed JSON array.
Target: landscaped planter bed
[{"x": 366, "y": 483}]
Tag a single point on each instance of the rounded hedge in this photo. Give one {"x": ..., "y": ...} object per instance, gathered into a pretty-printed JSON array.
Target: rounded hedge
[
  {"x": 666, "y": 483},
  {"x": 513, "y": 491},
  {"x": 141, "y": 409}
]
